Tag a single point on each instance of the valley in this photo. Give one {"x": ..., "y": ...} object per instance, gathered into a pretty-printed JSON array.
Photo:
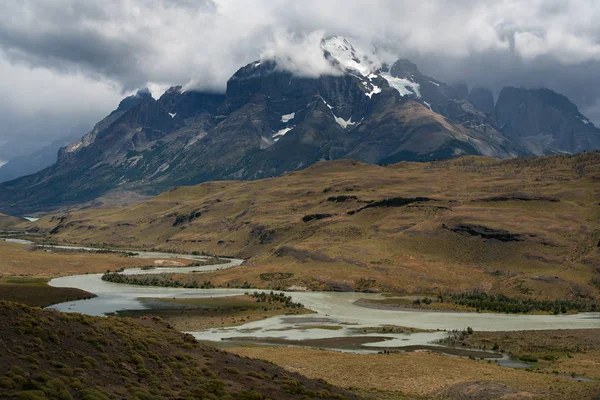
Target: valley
[
  {"x": 354, "y": 246},
  {"x": 284, "y": 200},
  {"x": 522, "y": 228}
]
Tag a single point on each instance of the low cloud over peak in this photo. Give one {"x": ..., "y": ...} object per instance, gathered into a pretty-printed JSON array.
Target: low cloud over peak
[{"x": 111, "y": 48}]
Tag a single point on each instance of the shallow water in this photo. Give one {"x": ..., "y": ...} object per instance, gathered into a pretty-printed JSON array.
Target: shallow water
[{"x": 338, "y": 308}]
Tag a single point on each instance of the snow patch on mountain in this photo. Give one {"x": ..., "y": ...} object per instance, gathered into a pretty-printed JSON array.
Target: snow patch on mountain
[
  {"x": 343, "y": 123},
  {"x": 287, "y": 117},
  {"x": 281, "y": 132},
  {"x": 404, "y": 86},
  {"x": 584, "y": 120},
  {"x": 375, "y": 90}
]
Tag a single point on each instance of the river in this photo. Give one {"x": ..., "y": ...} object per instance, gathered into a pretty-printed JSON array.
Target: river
[{"x": 334, "y": 309}]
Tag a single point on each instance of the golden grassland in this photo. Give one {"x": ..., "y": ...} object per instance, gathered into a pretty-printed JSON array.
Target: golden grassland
[
  {"x": 419, "y": 374},
  {"x": 8, "y": 222},
  {"x": 551, "y": 204},
  {"x": 20, "y": 260},
  {"x": 567, "y": 352}
]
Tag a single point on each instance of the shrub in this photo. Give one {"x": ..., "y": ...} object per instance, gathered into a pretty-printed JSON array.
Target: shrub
[
  {"x": 232, "y": 370},
  {"x": 31, "y": 395},
  {"x": 528, "y": 358},
  {"x": 7, "y": 383},
  {"x": 90, "y": 360}
]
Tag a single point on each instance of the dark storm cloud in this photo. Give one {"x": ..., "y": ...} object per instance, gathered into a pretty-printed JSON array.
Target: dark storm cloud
[{"x": 96, "y": 50}]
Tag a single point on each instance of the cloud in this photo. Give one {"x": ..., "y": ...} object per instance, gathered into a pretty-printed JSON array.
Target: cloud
[
  {"x": 112, "y": 47},
  {"x": 300, "y": 55}
]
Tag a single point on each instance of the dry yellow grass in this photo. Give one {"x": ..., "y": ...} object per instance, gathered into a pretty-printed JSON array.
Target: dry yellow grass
[
  {"x": 9, "y": 222},
  {"x": 416, "y": 374},
  {"x": 587, "y": 365},
  {"x": 406, "y": 248}
]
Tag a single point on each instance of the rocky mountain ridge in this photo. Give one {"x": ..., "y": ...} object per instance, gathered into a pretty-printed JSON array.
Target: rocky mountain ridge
[{"x": 271, "y": 121}]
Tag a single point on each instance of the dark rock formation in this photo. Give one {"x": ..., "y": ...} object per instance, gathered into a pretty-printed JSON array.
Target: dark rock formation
[
  {"x": 545, "y": 121},
  {"x": 341, "y": 199},
  {"x": 312, "y": 217},
  {"x": 520, "y": 197},
  {"x": 270, "y": 122},
  {"x": 483, "y": 100},
  {"x": 391, "y": 202},
  {"x": 485, "y": 232}
]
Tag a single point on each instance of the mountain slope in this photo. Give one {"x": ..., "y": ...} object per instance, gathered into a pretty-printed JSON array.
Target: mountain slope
[
  {"x": 268, "y": 122},
  {"x": 545, "y": 121}
]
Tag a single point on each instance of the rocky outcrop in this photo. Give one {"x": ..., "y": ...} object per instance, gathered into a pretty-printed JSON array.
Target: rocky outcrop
[
  {"x": 485, "y": 232},
  {"x": 312, "y": 217},
  {"x": 520, "y": 197},
  {"x": 341, "y": 198},
  {"x": 391, "y": 202},
  {"x": 544, "y": 121},
  {"x": 483, "y": 100}
]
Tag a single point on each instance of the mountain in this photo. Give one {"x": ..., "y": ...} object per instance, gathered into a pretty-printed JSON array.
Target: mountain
[
  {"x": 268, "y": 122},
  {"x": 17, "y": 148},
  {"x": 545, "y": 121},
  {"x": 125, "y": 105},
  {"x": 483, "y": 99},
  {"x": 31, "y": 163}
]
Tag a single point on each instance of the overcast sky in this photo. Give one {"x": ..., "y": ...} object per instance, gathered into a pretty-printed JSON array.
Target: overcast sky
[{"x": 67, "y": 63}]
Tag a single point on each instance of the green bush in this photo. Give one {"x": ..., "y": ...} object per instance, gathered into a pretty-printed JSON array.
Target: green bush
[
  {"x": 31, "y": 395},
  {"x": 7, "y": 383}
]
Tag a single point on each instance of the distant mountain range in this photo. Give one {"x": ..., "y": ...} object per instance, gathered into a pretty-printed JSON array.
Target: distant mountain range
[
  {"x": 271, "y": 121},
  {"x": 34, "y": 162}
]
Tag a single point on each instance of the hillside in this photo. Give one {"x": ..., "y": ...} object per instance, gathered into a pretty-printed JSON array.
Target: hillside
[
  {"x": 7, "y": 221},
  {"x": 520, "y": 227},
  {"x": 51, "y": 355}
]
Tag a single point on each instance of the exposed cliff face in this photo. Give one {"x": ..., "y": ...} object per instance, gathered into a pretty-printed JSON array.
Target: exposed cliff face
[
  {"x": 451, "y": 101},
  {"x": 125, "y": 105},
  {"x": 545, "y": 121},
  {"x": 483, "y": 100}
]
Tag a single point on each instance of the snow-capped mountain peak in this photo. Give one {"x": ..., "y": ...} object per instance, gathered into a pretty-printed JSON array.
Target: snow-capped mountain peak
[{"x": 348, "y": 58}]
